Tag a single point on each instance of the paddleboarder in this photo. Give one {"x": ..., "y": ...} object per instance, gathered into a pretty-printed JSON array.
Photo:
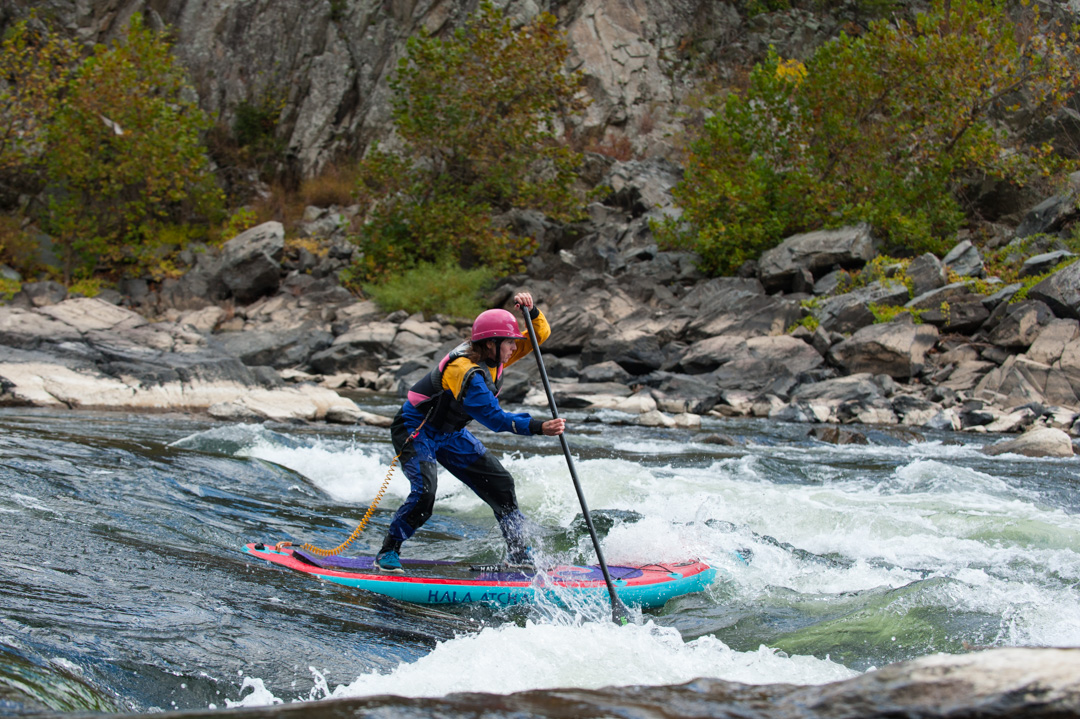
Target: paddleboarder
[{"x": 431, "y": 427}]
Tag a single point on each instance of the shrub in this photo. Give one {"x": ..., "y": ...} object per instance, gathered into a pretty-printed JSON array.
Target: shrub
[
  {"x": 37, "y": 68},
  {"x": 239, "y": 221},
  {"x": 89, "y": 287},
  {"x": 8, "y": 288},
  {"x": 874, "y": 128},
  {"x": 123, "y": 157},
  {"x": 434, "y": 289},
  {"x": 18, "y": 248},
  {"x": 477, "y": 116}
]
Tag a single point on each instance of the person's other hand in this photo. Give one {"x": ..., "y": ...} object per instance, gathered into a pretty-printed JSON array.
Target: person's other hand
[{"x": 554, "y": 427}]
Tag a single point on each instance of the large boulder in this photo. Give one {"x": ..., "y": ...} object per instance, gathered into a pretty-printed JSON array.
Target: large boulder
[
  {"x": 39, "y": 294},
  {"x": 362, "y": 348},
  {"x": 964, "y": 260},
  {"x": 966, "y": 375},
  {"x": 638, "y": 356},
  {"x": 794, "y": 354},
  {"x": 926, "y": 272},
  {"x": 897, "y": 349},
  {"x": 576, "y": 326},
  {"x": 735, "y": 306},
  {"x": 712, "y": 352},
  {"x": 251, "y": 262},
  {"x": 247, "y": 268},
  {"x": 963, "y": 314},
  {"x": 767, "y": 376},
  {"x": 683, "y": 393},
  {"x": 1052, "y": 340},
  {"x": 1020, "y": 381},
  {"x": 1021, "y": 324},
  {"x": 817, "y": 252},
  {"x": 856, "y": 397},
  {"x": 1038, "y": 442},
  {"x": 1038, "y": 264},
  {"x": 1060, "y": 291},
  {"x": 932, "y": 299},
  {"x": 754, "y": 317},
  {"x": 840, "y": 389},
  {"x": 278, "y": 349}
]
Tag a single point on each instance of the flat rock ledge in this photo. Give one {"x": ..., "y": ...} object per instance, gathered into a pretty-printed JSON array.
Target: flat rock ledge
[{"x": 89, "y": 354}]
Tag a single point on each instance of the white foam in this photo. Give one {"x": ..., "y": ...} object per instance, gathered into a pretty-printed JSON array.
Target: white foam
[
  {"x": 834, "y": 529},
  {"x": 592, "y": 655}
]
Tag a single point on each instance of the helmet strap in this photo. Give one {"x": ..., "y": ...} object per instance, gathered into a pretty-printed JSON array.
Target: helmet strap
[{"x": 496, "y": 343}]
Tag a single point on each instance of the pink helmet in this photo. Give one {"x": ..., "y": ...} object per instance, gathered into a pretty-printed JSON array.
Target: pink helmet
[{"x": 494, "y": 324}]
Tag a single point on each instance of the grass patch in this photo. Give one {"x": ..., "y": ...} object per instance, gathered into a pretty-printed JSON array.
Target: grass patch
[
  {"x": 333, "y": 186},
  {"x": 8, "y": 288},
  {"x": 434, "y": 289},
  {"x": 888, "y": 313}
]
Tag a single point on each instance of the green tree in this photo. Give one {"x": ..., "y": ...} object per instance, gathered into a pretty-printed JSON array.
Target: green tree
[
  {"x": 875, "y": 128},
  {"x": 477, "y": 116},
  {"x": 124, "y": 157},
  {"x": 36, "y": 68}
]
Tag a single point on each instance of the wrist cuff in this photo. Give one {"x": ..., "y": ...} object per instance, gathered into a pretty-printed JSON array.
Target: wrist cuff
[
  {"x": 536, "y": 426},
  {"x": 534, "y": 312}
]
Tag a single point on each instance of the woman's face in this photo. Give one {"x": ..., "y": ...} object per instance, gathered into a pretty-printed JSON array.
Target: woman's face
[
  {"x": 499, "y": 351},
  {"x": 506, "y": 348}
]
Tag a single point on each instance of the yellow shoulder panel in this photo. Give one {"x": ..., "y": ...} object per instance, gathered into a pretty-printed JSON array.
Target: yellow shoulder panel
[{"x": 454, "y": 375}]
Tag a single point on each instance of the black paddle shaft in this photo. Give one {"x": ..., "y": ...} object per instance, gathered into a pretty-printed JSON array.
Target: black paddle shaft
[{"x": 619, "y": 613}]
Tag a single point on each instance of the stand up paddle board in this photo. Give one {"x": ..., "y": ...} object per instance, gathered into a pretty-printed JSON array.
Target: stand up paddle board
[{"x": 437, "y": 582}]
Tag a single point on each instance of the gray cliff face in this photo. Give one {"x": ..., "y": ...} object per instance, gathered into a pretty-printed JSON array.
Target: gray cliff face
[{"x": 328, "y": 61}]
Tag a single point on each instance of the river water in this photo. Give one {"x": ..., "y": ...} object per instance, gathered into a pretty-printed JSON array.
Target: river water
[{"x": 123, "y": 587}]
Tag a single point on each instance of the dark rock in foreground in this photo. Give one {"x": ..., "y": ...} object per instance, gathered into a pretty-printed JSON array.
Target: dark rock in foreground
[{"x": 994, "y": 684}]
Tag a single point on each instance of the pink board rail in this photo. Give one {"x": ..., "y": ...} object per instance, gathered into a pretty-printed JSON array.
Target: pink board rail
[{"x": 430, "y": 582}]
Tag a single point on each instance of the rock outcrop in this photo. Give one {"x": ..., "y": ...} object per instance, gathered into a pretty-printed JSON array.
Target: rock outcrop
[
  {"x": 87, "y": 353},
  {"x": 637, "y": 330},
  {"x": 322, "y": 69}
]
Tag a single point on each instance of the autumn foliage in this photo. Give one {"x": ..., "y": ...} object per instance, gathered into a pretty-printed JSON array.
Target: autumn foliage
[
  {"x": 111, "y": 139},
  {"x": 879, "y": 128},
  {"x": 477, "y": 114}
]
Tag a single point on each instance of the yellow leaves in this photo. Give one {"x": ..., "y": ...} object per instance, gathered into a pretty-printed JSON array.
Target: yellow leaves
[{"x": 791, "y": 71}]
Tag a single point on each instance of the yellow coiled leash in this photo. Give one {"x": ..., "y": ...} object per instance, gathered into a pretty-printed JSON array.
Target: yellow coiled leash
[{"x": 367, "y": 515}]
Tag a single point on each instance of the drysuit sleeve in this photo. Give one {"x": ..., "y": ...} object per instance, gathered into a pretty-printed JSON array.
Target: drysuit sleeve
[{"x": 484, "y": 407}]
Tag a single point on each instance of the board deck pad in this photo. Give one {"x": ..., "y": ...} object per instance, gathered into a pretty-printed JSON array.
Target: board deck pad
[
  {"x": 428, "y": 581},
  {"x": 458, "y": 570}
]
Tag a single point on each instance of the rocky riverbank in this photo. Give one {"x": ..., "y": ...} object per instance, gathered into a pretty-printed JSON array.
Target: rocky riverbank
[{"x": 252, "y": 331}]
